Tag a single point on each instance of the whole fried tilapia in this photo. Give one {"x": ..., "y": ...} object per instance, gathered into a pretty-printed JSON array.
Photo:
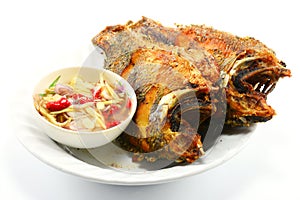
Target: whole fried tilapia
[
  {"x": 249, "y": 69},
  {"x": 171, "y": 83},
  {"x": 205, "y": 61}
]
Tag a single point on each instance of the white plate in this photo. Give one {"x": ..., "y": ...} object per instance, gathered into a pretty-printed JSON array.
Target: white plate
[{"x": 110, "y": 164}]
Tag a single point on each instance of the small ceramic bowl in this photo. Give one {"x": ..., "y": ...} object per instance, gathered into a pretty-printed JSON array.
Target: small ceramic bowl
[{"x": 81, "y": 139}]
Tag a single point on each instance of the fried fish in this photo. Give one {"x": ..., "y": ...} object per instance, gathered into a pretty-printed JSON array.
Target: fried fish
[{"x": 194, "y": 65}]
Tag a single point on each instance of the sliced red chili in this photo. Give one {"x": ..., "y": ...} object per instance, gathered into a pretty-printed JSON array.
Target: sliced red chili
[
  {"x": 112, "y": 124},
  {"x": 113, "y": 109},
  {"x": 58, "y": 105},
  {"x": 129, "y": 103},
  {"x": 97, "y": 93},
  {"x": 81, "y": 99}
]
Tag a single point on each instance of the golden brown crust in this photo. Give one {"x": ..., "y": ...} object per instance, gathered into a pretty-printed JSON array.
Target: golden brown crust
[
  {"x": 199, "y": 57},
  {"x": 120, "y": 41},
  {"x": 155, "y": 73},
  {"x": 163, "y": 67}
]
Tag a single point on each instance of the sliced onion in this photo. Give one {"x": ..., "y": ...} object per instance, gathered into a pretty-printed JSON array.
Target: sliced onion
[{"x": 63, "y": 89}]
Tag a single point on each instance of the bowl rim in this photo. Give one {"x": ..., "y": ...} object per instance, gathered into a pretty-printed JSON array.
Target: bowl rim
[{"x": 69, "y": 131}]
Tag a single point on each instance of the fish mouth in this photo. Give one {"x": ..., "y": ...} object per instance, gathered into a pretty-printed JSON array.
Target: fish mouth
[
  {"x": 258, "y": 78},
  {"x": 252, "y": 79}
]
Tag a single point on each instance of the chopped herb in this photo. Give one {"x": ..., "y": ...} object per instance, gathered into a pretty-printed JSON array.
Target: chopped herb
[{"x": 54, "y": 82}]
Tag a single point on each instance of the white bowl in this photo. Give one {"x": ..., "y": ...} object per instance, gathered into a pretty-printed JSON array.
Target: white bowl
[{"x": 80, "y": 139}]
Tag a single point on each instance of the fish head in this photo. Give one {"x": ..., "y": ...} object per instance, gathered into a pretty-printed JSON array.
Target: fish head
[{"x": 248, "y": 81}]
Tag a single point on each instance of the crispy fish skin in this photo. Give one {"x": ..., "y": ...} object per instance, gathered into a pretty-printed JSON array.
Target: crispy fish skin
[
  {"x": 148, "y": 66},
  {"x": 152, "y": 142},
  {"x": 248, "y": 68},
  {"x": 245, "y": 67},
  {"x": 120, "y": 41},
  {"x": 161, "y": 79},
  {"x": 143, "y": 62}
]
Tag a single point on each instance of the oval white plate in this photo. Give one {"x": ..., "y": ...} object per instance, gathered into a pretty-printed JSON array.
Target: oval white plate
[{"x": 118, "y": 168}]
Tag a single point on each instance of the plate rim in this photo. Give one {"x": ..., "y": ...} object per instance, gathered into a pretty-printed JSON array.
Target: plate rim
[{"x": 110, "y": 176}]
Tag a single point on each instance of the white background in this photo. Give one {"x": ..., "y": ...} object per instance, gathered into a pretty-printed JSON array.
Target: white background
[{"x": 35, "y": 35}]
